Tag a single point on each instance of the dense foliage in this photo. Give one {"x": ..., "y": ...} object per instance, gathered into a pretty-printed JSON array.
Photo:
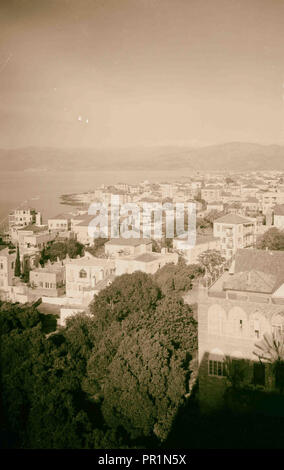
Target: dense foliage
[
  {"x": 98, "y": 248},
  {"x": 211, "y": 260},
  {"x": 273, "y": 239},
  {"x": 177, "y": 279},
  {"x": 113, "y": 378},
  {"x": 60, "y": 250}
]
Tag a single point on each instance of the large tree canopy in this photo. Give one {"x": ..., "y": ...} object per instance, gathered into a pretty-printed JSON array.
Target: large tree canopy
[
  {"x": 273, "y": 239},
  {"x": 129, "y": 293},
  {"x": 115, "y": 376},
  {"x": 60, "y": 250},
  {"x": 177, "y": 278}
]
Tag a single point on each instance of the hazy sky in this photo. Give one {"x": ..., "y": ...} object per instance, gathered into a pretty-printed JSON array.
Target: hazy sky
[{"x": 89, "y": 73}]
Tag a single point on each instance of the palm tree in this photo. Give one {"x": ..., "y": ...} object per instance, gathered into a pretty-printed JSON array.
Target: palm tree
[{"x": 271, "y": 350}]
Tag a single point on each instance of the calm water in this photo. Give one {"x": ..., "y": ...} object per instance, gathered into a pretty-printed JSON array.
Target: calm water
[{"x": 42, "y": 189}]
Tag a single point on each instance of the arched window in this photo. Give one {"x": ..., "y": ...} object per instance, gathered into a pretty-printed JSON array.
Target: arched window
[
  {"x": 217, "y": 320},
  {"x": 82, "y": 274},
  {"x": 277, "y": 324},
  {"x": 237, "y": 322},
  {"x": 258, "y": 325}
]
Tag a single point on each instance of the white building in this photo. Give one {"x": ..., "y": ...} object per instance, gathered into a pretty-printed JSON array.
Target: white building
[
  {"x": 271, "y": 199},
  {"x": 211, "y": 193},
  {"x": 32, "y": 239},
  {"x": 234, "y": 232},
  {"x": 279, "y": 216},
  {"x": 23, "y": 217},
  {"x": 191, "y": 253},
  {"x": 148, "y": 263},
  {"x": 7, "y": 267},
  {"x": 83, "y": 275},
  {"x": 117, "y": 247},
  {"x": 60, "y": 223}
]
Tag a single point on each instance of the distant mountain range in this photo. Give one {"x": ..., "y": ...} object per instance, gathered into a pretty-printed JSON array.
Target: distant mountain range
[{"x": 233, "y": 156}]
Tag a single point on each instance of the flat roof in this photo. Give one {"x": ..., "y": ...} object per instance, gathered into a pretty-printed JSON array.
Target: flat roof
[
  {"x": 233, "y": 219},
  {"x": 85, "y": 261}
]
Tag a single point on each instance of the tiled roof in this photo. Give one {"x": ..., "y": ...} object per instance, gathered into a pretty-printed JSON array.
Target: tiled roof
[
  {"x": 233, "y": 219},
  {"x": 252, "y": 281},
  {"x": 264, "y": 261},
  {"x": 33, "y": 228}
]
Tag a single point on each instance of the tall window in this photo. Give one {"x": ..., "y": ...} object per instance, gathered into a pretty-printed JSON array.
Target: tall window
[
  {"x": 256, "y": 327},
  {"x": 279, "y": 375},
  {"x": 258, "y": 373},
  {"x": 276, "y": 329},
  {"x": 216, "y": 368},
  {"x": 278, "y": 325},
  {"x": 82, "y": 274}
]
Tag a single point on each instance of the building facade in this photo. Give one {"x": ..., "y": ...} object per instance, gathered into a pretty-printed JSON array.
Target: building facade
[
  {"x": 191, "y": 253},
  {"x": 24, "y": 217},
  {"x": 60, "y": 223},
  {"x": 117, "y": 247},
  {"x": 279, "y": 216},
  {"x": 48, "y": 280},
  {"x": 83, "y": 274},
  {"x": 148, "y": 263},
  {"x": 234, "y": 314},
  {"x": 7, "y": 267},
  {"x": 234, "y": 232}
]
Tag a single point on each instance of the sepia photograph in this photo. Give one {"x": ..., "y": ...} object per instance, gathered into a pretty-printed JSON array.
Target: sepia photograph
[{"x": 142, "y": 229}]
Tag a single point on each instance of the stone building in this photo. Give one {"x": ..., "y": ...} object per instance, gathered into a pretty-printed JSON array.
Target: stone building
[
  {"x": 234, "y": 232},
  {"x": 278, "y": 212},
  {"x": 48, "y": 280},
  {"x": 7, "y": 267},
  {"x": 233, "y": 315},
  {"x": 117, "y": 247},
  {"x": 32, "y": 239},
  {"x": 83, "y": 275},
  {"x": 60, "y": 223},
  {"x": 148, "y": 263},
  {"x": 24, "y": 216},
  {"x": 191, "y": 253},
  {"x": 211, "y": 193}
]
